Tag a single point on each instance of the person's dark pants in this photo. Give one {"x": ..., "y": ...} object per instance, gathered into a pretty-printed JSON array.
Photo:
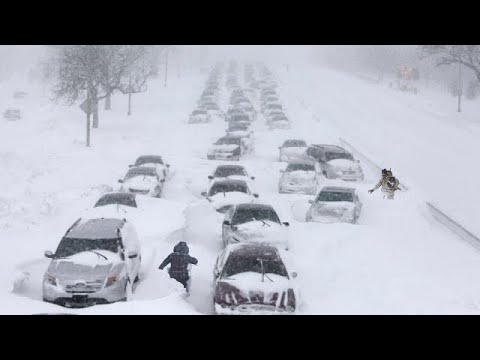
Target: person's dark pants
[{"x": 181, "y": 279}]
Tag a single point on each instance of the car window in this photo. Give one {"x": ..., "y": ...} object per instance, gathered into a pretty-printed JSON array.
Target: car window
[
  {"x": 69, "y": 246},
  {"x": 245, "y": 215},
  {"x": 242, "y": 263},
  {"x": 229, "y": 187},
  {"x": 335, "y": 196}
]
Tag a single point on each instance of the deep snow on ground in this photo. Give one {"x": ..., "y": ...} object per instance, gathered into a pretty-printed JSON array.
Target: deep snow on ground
[{"x": 396, "y": 260}]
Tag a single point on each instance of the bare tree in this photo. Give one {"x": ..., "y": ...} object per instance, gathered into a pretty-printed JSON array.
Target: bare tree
[{"x": 466, "y": 55}]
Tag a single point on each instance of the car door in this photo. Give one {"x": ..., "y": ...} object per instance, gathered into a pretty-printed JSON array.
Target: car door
[{"x": 226, "y": 229}]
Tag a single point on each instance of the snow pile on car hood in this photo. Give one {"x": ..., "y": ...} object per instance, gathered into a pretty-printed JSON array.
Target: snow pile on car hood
[
  {"x": 141, "y": 182},
  {"x": 230, "y": 198},
  {"x": 223, "y": 148},
  {"x": 256, "y": 231}
]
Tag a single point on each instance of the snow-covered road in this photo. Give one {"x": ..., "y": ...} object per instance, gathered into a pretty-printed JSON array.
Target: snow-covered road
[{"x": 396, "y": 260}]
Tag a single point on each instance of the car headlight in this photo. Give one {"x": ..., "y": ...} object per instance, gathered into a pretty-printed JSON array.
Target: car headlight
[
  {"x": 112, "y": 279},
  {"x": 52, "y": 280}
]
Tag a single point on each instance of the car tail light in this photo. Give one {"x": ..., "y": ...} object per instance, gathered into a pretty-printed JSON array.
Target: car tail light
[
  {"x": 52, "y": 280},
  {"x": 112, "y": 280}
]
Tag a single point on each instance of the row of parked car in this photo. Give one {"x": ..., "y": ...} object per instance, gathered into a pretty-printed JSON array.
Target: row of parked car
[
  {"x": 252, "y": 272},
  {"x": 307, "y": 169},
  {"x": 98, "y": 259}
]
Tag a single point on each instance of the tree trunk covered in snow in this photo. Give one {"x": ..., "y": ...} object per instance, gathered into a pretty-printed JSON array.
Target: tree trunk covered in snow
[{"x": 108, "y": 102}]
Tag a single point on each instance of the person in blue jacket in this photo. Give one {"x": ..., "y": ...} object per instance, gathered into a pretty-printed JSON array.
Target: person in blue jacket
[{"x": 180, "y": 261}]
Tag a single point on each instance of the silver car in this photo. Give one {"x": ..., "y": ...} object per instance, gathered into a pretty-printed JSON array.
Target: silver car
[
  {"x": 299, "y": 177},
  {"x": 96, "y": 262},
  {"x": 335, "y": 204}
]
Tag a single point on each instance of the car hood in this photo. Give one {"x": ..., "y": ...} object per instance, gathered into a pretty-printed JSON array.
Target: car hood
[
  {"x": 223, "y": 148},
  {"x": 140, "y": 183},
  {"x": 299, "y": 177},
  {"x": 258, "y": 232},
  {"x": 86, "y": 266},
  {"x": 229, "y": 198},
  {"x": 252, "y": 281}
]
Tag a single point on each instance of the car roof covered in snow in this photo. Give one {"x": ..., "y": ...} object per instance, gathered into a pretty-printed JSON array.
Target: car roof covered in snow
[
  {"x": 337, "y": 189},
  {"x": 95, "y": 229}
]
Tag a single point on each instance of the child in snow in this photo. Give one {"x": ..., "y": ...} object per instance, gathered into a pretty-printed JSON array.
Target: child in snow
[{"x": 179, "y": 260}]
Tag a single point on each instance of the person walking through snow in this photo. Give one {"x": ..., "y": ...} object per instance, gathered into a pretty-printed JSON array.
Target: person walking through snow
[
  {"x": 180, "y": 261},
  {"x": 389, "y": 184}
]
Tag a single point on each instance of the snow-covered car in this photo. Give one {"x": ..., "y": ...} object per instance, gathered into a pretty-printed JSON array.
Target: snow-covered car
[
  {"x": 249, "y": 110},
  {"x": 253, "y": 279},
  {"x": 335, "y": 162},
  {"x": 270, "y": 108},
  {"x": 254, "y": 223},
  {"x": 232, "y": 172},
  {"x": 299, "y": 177},
  {"x": 238, "y": 129},
  {"x": 240, "y": 119},
  {"x": 335, "y": 204},
  {"x": 225, "y": 193},
  {"x": 213, "y": 109},
  {"x": 155, "y": 161},
  {"x": 292, "y": 149},
  {"x": 234, "y": 111},
  {"x": 96, "y": 262},
  {"x": 199, "y": 116},
  {"x": 279, "y": 122},
  {"x": 12, "y": 114},
  {"x": 226, "y": 148},
  {"x": 142, "y": 180}
]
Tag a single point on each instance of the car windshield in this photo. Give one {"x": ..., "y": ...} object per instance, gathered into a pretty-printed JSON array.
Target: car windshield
[
  {"x": 335, "y": 196},
  {"x": 279, "y": 118},
  {"x": 229, "y": 171},
  {"x": 240, "y": 118},
  {"x": 228, "y": 187},
  {"x": 274, "y": 106},
  {"x": 121, "y": 199},
  {"x": 251, "y": 214},
  {"x": 236, "y": 127},
  {"x": 295, "y": 143},
  {"x": 228, "y": 141},
  {"x": 242, "y": 263},
  {"x": 144, "y": 172},
  {"x": 69, "y": 247},
  {"x": 300, "y": 167},
  {"x": 148, "y": 160},
  {"x": 338, "y": 155}
]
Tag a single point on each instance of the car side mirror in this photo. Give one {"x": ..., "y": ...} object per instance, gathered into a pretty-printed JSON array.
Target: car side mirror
[
  {"x": 286, "y": 223},
  {"x": 310, "y": 202},
  {"x": 216, "y": 274},
  {"x": 252, "y": 177},
  {"x": 255, "y": 195},
  {"x": 132, "y": 254},
  {"x": 204, "y": 193},
  {"x": 120, "y": 181},
  {"x": 130, "y": 166},
  {"x": 210, "y": 177},
  {"x": 226, "y": 223},
  {"x": 49, "y": 254},
  {"x": 294, "y": 274},
  {"x": 162, "y": 180}
]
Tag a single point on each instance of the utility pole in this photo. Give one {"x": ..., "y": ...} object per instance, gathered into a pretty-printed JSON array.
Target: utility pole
[{"x": 460, "y": 87}]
